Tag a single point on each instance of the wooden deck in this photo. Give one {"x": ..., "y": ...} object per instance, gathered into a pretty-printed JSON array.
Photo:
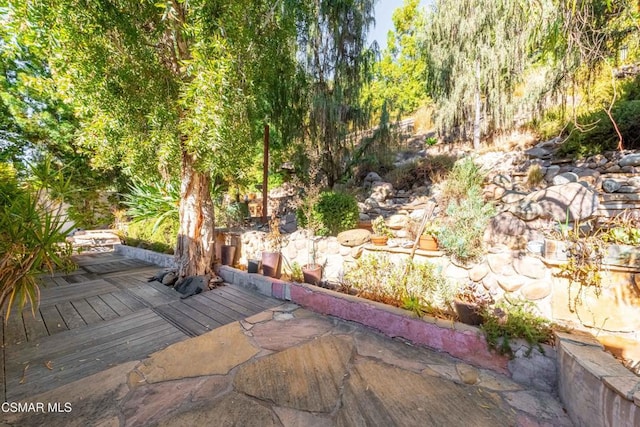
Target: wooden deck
[{"x": 104, "y": 314}]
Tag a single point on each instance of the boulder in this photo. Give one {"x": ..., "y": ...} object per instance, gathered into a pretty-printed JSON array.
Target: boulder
[
  {"x": 536, "y": 290},
  {"x": 396, "y": 222},
  {"x": 503, "y": 181},
  {"x": 530, "y": 267},
  {"x": 527, "y": 210},
  {"x": 381, "y": 191},
  {"x": 372, "y": 177},
  {"x": 478, "y": 272},
  {"x": 630, "y": 160},
  {"x": 356, "y": 237},
  {"x": 507, "y": 229},
  {"x": 574, "y": 199},
  {"x": 538, "y": 153},
  {"x": 500, "y": 263},
  {"x": 510, "y": 283},
  {"x": 564, "y": 178},
  {"x": 552, "y": 171},
  {"x": 611, "y": 185}
]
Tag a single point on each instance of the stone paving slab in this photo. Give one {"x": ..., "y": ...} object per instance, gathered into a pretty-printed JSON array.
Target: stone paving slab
[{"x": 321, "y": 372}]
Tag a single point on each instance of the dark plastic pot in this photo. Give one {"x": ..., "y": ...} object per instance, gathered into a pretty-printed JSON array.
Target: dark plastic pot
[
  {"x": 467, "y": 312},
  {"x": 253, "y": 265},
  {"x": 227, "y": 254}
]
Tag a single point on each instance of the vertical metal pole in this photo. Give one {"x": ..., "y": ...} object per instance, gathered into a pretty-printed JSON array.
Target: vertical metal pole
[{"x": 265, "y": 174}]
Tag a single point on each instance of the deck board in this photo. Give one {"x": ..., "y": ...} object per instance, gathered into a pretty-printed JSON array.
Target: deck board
[
  {"x": 34, "y": 325},
  {"x": 102, "y": 308},
  {"x": 103, "y": 314},
  {"x": 53, "y": 320},
  {"x": 70, "y": 315},
  {"x": 88, "y": 314}
]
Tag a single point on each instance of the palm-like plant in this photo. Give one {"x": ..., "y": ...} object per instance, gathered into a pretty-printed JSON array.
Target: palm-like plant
[
  {"x": 32, "y": 241},
  {"x": 153, "y": 201}
]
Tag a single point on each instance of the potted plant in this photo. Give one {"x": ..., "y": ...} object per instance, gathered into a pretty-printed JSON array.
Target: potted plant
[
  {"x": 312, "y": 271},
  {"x": 429, "y": 237},
  {"x": 381, "y": 232},
  {"x": 469, "y": 303},
  {"x": 271, "y": 256}
]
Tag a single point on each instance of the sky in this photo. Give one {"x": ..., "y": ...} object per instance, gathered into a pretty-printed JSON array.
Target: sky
[{"x": 383, "y": 10}]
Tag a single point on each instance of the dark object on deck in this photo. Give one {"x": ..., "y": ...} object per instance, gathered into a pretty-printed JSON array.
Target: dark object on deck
[
  {"x": 192, "y": 286},
  {"x": 159, "y": 275}
]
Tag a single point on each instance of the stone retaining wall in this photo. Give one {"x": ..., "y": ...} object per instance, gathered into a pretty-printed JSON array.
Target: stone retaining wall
[
  {"x": 595, "y": 388},
  {"x": 459, "y": 340}
]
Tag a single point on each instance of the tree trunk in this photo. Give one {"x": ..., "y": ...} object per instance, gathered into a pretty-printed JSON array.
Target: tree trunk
[
  {"x": 478, "y": 110},
  {"x": 195, "y": 247}
]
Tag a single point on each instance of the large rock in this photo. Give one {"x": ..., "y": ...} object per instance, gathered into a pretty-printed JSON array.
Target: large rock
[
  {"x": 354, "y": 237},
  {"x": 536, "y": 290},
  {"x": 527, "y": 210},
  {"x": 630, "y": 160},
  {"x": 507, "y": 229},
  {"x": 381, "y": 191},
  {"x": 564, "y": 178},
  {"x": 611, "y": 185},
  {"x": 530, "y": 267},
  {"x": 573, "y": 198}
]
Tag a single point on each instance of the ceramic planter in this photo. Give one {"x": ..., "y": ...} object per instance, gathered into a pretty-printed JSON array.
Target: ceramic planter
[
  {"x": 271, "y": 264},
  {"x": 428, "y": 243},
  {"x": 379, "y": 240},
  {"x": 312, "y": 273}
]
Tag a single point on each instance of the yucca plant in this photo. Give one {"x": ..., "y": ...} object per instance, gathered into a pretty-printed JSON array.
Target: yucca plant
[
  {"x": 157, "y": 201},
  {"x": 33, "y": 232}
]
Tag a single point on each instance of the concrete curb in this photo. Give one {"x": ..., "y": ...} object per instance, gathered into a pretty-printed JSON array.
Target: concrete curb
[
  {"x": 162, "y": 260},
  {"x": 457, "y": 339}
]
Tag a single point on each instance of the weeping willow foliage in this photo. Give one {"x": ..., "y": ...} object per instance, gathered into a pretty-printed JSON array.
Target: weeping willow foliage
[
  {"x": 478, "y": 53},
  {"x": 336, "y": 63}
]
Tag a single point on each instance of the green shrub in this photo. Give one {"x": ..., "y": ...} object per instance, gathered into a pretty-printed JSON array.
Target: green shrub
[
  {"x": 464, "y": 177},
  {"x": 461, "y": 235},
  {"x": 418, "y": 287},
  {"x": 155, "y": 201},
  {"x": 32, "y": 232},
  {"x": 509, "y": 321},
  {"x": 334, "y": 212},
  {"x": 598, "y": 133},
  {"x": 145, "y": 234}
]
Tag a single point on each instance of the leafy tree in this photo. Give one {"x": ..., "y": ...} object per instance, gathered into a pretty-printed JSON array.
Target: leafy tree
[
  {"x": 336, "y": 64},
  {"x": 478, "y": 51},
  {"x": 167, "y": 88},
  {"x": 400, "y": 75}
]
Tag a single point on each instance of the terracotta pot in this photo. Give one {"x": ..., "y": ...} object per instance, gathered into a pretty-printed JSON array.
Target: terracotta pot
[
  {"x": 379, "y": 240},
  {"x": 428, "y": 243},
  {"x": 253, "y": 265},
  {"x": 271, "y": 264},
  {"x": 467, "y": 312},
  {"x": 227, "y": 254},
  {"x": 312, "y": 273}
]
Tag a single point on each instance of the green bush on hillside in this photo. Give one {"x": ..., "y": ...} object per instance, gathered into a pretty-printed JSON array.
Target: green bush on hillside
[
  {"x": 600, "y": 134},
  {"x": 334, "y": 212}
]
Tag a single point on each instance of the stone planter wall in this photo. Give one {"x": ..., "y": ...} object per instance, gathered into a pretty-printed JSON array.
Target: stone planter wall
[
  {"x": 595, "y": 388},
  {"x": 518, "y": 274}
]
